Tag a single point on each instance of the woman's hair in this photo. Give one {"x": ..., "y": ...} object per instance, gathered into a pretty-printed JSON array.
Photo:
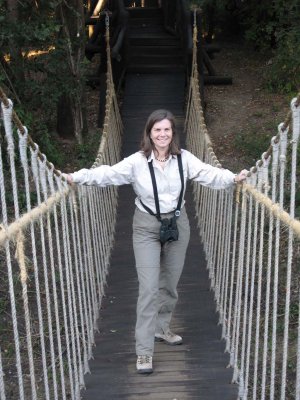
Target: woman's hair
[{"x": 147, "y": 145}]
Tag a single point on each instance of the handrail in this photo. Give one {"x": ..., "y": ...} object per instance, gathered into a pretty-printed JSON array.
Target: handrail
[
  {"x": 119, "y": 41},
  {"x": 119, "y": 19},
  {"x": 186, "y": 13},
  {"x": 177, "y": 21}
]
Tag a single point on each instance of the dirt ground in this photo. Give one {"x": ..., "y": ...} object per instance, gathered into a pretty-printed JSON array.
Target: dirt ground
[{"x": 245, "y": 109}]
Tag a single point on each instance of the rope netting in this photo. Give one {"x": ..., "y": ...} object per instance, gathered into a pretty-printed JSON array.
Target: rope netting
[
  {"x": 55, "y": 245},
  {"x": 251, "y": 241}
]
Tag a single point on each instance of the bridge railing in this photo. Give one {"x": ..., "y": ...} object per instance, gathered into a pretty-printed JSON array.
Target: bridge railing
[
  {"x": 55, "y": 244},
  {"x": 251, "y": 240}
]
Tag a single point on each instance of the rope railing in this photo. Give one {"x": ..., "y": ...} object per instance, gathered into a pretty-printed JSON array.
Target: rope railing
[
  {"x": 55, "y": 245},
  {"x": 251, "y": 242}
]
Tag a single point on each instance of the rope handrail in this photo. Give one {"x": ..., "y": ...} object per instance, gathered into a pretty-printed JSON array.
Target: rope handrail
[
  {"x": 55, "y": 241},
  {"x": 252, "y": 252}
]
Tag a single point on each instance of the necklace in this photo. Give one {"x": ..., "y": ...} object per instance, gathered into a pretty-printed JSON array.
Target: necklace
[{"x": 162, "y": 160}]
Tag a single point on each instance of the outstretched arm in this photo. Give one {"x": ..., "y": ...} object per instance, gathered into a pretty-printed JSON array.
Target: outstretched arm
[
  {"x": 210, "y": 176},
  {"x": 105, "y": 175}
]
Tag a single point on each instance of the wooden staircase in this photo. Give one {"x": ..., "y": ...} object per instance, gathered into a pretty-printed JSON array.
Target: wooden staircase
[{"x": 151, "y": 48}]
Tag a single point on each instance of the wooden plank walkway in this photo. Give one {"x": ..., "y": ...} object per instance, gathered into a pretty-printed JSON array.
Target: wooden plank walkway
[{"x": 197, "y": 368}]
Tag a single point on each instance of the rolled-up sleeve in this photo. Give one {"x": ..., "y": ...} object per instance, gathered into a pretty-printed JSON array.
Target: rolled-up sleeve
[
  {"x": 105, "y": 175},
  {"x": 207, "y": 175}
]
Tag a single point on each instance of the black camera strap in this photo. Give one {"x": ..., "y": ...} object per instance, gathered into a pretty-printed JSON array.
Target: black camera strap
[{"x": 177, "y": 211}]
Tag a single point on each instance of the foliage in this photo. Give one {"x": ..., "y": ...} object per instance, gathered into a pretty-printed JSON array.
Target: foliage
[
  {"x": 271, "y": 27},
  {"x": 37, "y": 70},
  {"x": 283, "y": 72},
  {"x": 252, "y": 143},
  {"x": 88, "y": 151}
]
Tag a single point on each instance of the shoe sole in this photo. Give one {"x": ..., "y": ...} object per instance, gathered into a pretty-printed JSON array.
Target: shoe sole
[
  {"x": 157, "y": 339},
  {"x": 145, "y": 371}
]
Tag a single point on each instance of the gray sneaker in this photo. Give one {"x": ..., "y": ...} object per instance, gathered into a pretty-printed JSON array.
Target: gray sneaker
[
  {"x": 144, "y": 365},
  {"x": 169, "y": 338}
]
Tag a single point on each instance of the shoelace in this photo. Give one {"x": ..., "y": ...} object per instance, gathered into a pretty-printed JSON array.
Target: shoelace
[{"x": 144, "y": 359}]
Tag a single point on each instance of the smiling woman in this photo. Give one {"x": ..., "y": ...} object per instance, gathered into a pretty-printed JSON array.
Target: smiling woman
[
  {"x": 160, "y": 136},
  {"x": 158, "y": 174}
]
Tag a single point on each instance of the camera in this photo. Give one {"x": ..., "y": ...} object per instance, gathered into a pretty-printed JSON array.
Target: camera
[{"x": 168, "y": 230}]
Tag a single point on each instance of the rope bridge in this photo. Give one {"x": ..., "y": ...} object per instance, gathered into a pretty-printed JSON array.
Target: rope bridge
[{"x": 55, "y": 243}]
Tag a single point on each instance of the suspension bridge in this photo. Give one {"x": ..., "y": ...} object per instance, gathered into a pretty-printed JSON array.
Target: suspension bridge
[{"x": 68, "y": 284}]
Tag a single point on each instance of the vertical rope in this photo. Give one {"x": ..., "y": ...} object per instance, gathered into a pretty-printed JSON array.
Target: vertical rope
[
  {"x": 296, "y": 128},
  {"x": 68, "y": 272},
  {"x": 81, "y": 266},
  {"x": 221, "y": 252},
  {"x": 60, "y": 249},
  {"x": 252, "y": 285},
  {"x": 77, "y": 277},
  {"x": 232, "y": 276},
  {"x": 223, "y": 314},
  {"x": 242, "y": 389},
  {"x": 282, "y": 164},
  {"x": 275, "y": 153},
  {"x": 296, "y": 131},
  {"x": 238, "y": 290},
  {"x": 35, "y": 171},
  {"x": 42, "y": 174},
  {"x": 20, "y": 255},
  {"x": 73, "y": 304},
  {"x": 2, "y": 387},
  {"x": 7, "y": 112},
  {"x": 262, "y": 180},
  {"x": 54, "y": 286},
  {"x": 90, "y": 266},
  {"x": 86, "y": 276}
]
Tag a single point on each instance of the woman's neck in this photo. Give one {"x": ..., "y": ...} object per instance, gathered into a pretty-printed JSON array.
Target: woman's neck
[{"x": 161, "y": 153}]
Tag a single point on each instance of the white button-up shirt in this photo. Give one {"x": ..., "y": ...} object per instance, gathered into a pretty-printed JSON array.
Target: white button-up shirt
[{"x": 134, "y": 170}]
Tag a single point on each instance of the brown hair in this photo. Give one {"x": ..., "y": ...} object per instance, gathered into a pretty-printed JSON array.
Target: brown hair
[{"x": 147, "y": 145}]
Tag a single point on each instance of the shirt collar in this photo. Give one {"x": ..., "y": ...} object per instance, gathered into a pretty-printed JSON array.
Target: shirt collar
[{"x": 152, "y": 157}]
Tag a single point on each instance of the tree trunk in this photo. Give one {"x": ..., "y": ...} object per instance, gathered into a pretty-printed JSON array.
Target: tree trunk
[
  {"x": 16, "y": 58},
  {"x": 71, "y": 118}
]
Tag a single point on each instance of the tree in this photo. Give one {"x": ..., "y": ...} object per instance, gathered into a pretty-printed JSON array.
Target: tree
[
  {"x": 42, "y": 61},
  {"x": 70, "y": 111}
]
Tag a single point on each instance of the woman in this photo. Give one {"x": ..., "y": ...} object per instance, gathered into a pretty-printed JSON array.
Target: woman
[{"x": 159, "y": 265}]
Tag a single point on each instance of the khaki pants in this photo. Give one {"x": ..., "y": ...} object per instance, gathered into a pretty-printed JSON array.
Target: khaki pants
[{"x": 159, "y": 269}]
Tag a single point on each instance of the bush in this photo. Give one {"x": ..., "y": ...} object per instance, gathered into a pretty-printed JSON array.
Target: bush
[{"x": 283, "y": 72}]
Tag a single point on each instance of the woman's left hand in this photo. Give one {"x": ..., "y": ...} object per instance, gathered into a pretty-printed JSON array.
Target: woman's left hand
[{"x": 239, "y": 178}]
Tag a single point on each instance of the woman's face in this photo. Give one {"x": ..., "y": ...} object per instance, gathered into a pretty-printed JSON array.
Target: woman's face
[{"x": 161, "y": 135}]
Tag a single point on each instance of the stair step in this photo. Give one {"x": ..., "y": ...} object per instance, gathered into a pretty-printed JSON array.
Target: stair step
[
  {"x": 147, "y": 30},
  {"x": 144, "y": 12},
  {"x": 158, "y": 49},
  {"x": 160, "y": 59},
  {"x": 142, "y": 22},
  {"x": 152, "y": 40},
  {"x": 155, "y": 69}
]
